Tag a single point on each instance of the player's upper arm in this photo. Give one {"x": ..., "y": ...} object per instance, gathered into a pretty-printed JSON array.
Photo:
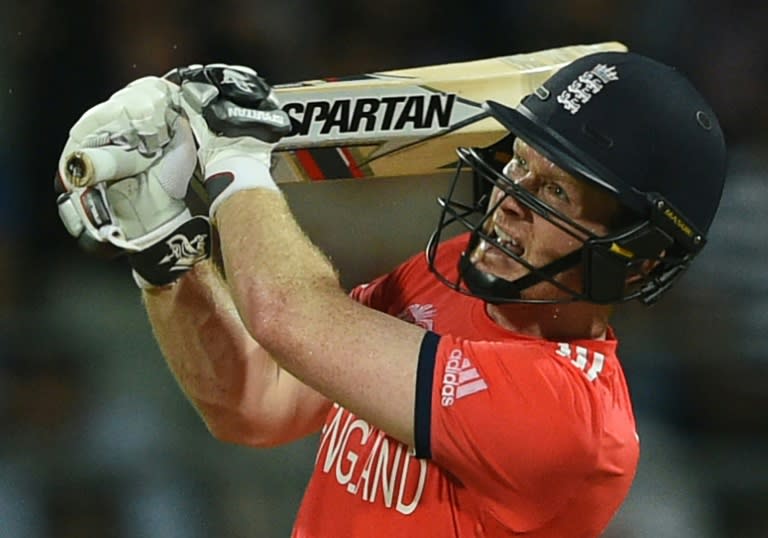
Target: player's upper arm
[
  {"x": 364, "y": 360},
  {"x": 355, "y": 355}
]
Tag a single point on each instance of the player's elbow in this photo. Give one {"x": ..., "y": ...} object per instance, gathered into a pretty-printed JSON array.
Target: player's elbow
[
  {"x": 271, "y": 308},
  {"x": 276, "y": 314},
  {"x": 238, "y": 432}
]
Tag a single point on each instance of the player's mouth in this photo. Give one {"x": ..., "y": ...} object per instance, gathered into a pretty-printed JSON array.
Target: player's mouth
[
  {"x": 499, "y": 237},
  {"x": 507, "y": 241}
]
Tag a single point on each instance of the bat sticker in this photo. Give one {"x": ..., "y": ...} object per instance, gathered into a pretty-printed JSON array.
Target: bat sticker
[{"x": 365, "y": 116}]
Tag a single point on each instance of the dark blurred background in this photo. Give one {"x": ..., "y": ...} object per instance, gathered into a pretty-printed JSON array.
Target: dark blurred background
[{"x": 96, "y": 439}]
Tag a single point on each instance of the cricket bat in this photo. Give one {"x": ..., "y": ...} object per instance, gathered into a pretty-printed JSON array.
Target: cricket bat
[
  {"x": 405, "y": 121},
  {"x": 384, "y": 124}
]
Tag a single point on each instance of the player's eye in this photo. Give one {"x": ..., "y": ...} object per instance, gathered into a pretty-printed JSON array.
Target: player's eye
[
  {"x": 555, "y": 191},
  {"x": 517, "y": 167}
]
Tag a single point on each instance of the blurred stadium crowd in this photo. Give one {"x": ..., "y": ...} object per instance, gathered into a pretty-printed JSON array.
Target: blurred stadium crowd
[{"x": 97, "y": 441}]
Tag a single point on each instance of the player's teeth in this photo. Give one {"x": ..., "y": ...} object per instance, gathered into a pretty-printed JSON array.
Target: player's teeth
[
  {"x": 504, "y": 237},
  {"x": 508, "y": 241}
]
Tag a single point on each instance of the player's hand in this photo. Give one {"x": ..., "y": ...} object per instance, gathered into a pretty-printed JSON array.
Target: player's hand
[
  {"x": 123, "y": 177},
  {"x": 237, "y": 121}
]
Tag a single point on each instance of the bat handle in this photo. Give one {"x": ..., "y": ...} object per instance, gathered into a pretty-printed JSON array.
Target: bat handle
[
  {"x": 79, "y": 169},
  {"x": 92, "y": 165}
]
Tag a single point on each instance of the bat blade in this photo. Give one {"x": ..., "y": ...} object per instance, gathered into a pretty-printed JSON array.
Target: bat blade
[{"x": 405, "y": 121}]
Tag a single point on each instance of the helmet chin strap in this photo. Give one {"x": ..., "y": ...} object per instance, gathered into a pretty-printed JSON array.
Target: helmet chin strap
[{"x": 497, "y": 290}]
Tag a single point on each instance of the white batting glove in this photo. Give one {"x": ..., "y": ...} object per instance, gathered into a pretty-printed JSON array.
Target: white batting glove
[
  {"x": 123, "y": 177},
  {"x": 236, "y": 121}
]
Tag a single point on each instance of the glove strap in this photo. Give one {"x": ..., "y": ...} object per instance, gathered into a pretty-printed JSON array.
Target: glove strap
[{"x": 164, "y": 262}]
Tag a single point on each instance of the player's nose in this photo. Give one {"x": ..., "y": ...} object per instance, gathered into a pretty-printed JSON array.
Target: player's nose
[{"x": 511, "y": 208}]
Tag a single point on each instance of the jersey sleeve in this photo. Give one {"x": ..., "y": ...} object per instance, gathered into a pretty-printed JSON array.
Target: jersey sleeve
[
  {"x": 374, "y": 293},
  {"x": 508, "y": 420}
]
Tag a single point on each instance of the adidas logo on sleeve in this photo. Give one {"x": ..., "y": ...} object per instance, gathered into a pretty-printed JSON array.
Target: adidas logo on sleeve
[{"x": 460, "y": 379}]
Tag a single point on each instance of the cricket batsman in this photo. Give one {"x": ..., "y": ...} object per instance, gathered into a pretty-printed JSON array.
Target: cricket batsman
[{"x": 473, "y": 391}]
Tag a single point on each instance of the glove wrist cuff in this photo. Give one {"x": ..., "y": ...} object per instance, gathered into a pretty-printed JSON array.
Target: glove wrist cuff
[
  {"x": 235, "y": 172},
  {"x": 164, "y": 262},
  {"x": 146, "y": 285}
]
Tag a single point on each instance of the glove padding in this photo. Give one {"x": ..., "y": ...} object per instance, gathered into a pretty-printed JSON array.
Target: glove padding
[
  {"x": 236, "y": 120},
  {"x": 234, "y": 101},
  {"x": 124, "y": 191}
]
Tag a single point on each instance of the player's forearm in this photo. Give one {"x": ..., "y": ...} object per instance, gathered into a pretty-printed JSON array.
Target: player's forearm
[
  {"x": 286, "y": 291},
  {"x": 279, "y": 280},
  {"x": 220, "y": 368}
]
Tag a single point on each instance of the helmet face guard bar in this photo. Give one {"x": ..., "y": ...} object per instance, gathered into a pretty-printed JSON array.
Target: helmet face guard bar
[{"x": 663, "y": 238}]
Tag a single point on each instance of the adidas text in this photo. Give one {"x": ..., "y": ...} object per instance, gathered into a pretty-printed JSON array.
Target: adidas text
[{"x": 460, "y": 379}]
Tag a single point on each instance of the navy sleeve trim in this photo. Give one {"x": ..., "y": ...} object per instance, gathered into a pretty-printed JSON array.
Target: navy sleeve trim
[{"x": 422, "y": 422}]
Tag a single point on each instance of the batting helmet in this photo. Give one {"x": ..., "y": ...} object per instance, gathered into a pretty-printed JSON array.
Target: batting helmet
[{"x": 630, "y": 125}]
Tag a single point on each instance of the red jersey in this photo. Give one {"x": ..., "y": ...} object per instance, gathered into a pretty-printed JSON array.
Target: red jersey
[{"x": 515, "y": 436}]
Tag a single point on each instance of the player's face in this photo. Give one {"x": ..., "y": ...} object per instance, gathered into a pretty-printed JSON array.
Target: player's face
[{"x": 531, "y": 236}]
